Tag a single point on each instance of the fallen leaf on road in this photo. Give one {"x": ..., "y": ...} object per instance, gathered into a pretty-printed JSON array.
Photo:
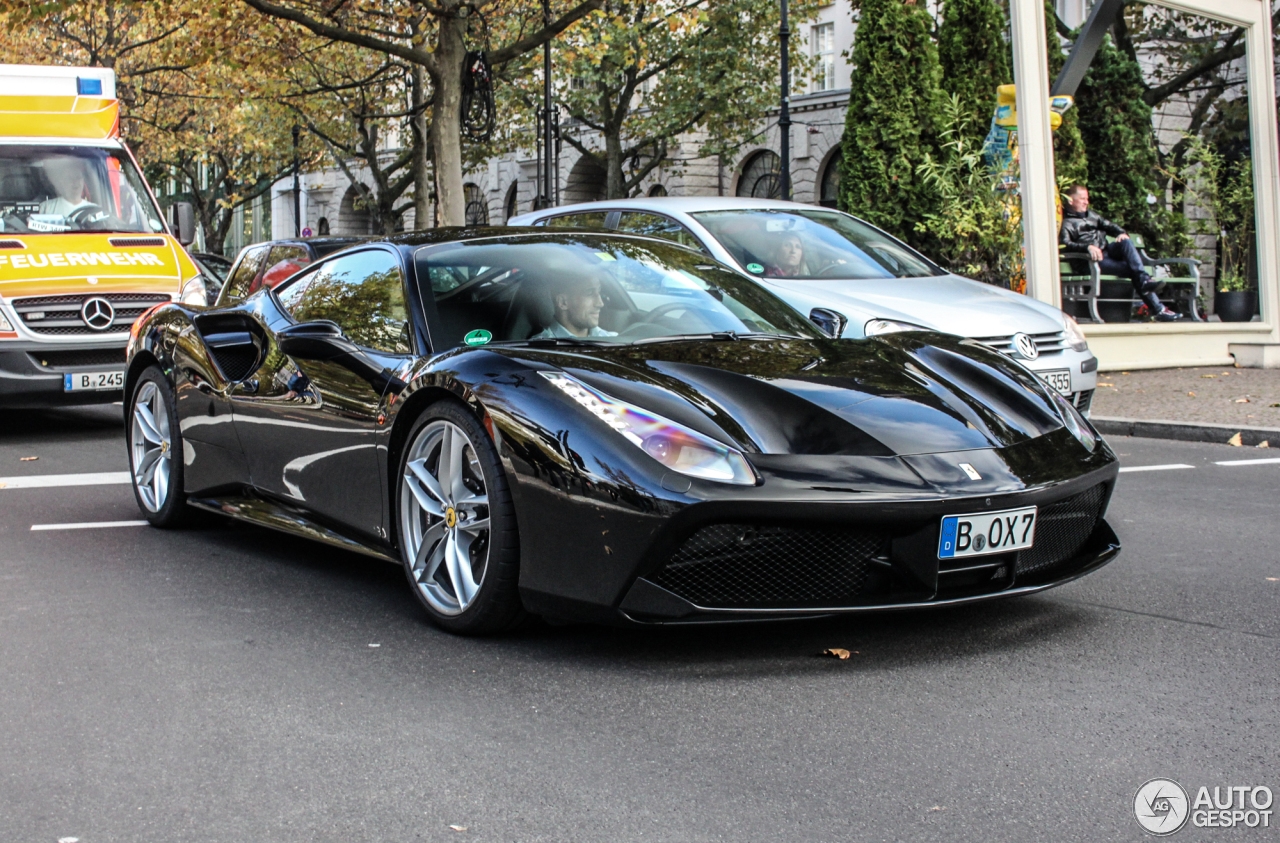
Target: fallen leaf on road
[
  {"x": 1208, "y": 376},
  {"x": 458, "y": 827},
  {"x": 1273, "y": 405},
  {"x": 1263, "y": 444},
  {"x": 1235, "y": 440},
  {"x": 836, "y": 652},
  {"x": 1242, "y": 400},
  {"x": 937, "y": 808},
  {"x": 2, "y": 485},
  {"x": 1273, "y": 579},
  {"x": 27, "y": 459},
  {"x": 1124, "y": 373},
  {"x": 1192, "y": 394},
  {"x": 1100, "y": 383}
]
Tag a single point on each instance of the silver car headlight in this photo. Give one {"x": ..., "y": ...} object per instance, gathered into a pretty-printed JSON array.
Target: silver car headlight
[
  {"x": 876, "y": 327},
  {"x": 1075, "y": 337},
  {"x": 4, "y": 322},
  {"x": 195, "y": 292},
  {"x": 674, "y": 445}
]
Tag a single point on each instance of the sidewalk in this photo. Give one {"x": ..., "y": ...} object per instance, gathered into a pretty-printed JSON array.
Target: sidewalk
[{"x": 1201, "y": 404}]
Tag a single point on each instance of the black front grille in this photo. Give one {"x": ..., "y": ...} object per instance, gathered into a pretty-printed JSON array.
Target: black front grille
[
  {"x": 1062, "y": 528},
  {"x": 739, "y": 565},
  {"x": 72, "y": 358},
  {"x": 60, "y": 315}
]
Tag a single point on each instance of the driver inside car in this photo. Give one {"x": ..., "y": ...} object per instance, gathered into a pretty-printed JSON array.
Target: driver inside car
[
  {"x": 66, "y": 174},
  {"x": 577, "y": 303}
]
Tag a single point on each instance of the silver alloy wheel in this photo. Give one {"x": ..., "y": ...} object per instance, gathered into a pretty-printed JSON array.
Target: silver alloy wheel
[
  {"x": 150, "y": 447},
  {"x": 444, "y": 517}
]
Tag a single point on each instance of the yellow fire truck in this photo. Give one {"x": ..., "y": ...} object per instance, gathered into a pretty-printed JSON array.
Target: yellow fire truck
[{"x": 84, "y": 249}]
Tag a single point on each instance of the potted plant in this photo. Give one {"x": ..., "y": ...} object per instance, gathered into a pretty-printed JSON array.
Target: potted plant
[{"x": 1225, "y": 189}]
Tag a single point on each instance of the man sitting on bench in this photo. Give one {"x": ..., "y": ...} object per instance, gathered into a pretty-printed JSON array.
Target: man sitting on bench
[{"x": 1084, "y": 229}]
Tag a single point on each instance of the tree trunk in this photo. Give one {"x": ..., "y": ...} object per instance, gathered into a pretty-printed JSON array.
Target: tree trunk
[
  {"x": 446, "y": 122},
  {"x": 421, "y": 175},
  {"x": 615, "y": 181}
]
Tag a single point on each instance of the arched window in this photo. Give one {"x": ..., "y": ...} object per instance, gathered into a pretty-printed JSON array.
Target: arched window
[
  {"x": 829, "y": 192},
  {"x": 477, "y": 212},
  {"x": 657, "y": 190},
  {"x": 760, "y": 176},
  {"x": 510, "y": 207}
]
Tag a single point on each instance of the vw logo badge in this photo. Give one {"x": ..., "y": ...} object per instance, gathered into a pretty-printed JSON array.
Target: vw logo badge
[
  {"x": 1025, "y": 346},
  {"x": 98, "y": 313}
]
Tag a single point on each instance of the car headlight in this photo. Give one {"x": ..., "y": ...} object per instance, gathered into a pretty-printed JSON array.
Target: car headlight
[
  {"x": 674, "y": 445},
  {"x": 1074, "y": 422},
  {"x": 876, "y": 327},
  {"x": 1075, "y": 337},
  {"x": 4, "y": 322},
  {"x": 195, "y": 292}
]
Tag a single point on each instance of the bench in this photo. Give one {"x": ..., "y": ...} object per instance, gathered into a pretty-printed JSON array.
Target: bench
[{"x": 1113, "y": 295}]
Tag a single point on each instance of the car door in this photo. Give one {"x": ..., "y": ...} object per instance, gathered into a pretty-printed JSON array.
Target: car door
[{"x": 309, "y": 415}]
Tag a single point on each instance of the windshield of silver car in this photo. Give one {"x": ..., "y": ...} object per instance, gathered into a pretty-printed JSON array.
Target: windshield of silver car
[
  {"x": 812, "y": 243},
  {"x": 50, "y": 190},
  {"x": 585, "y": 288}
]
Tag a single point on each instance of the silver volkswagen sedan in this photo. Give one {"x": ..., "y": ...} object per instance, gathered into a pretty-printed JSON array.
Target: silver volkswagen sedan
[{"x": 850, "y": 277}]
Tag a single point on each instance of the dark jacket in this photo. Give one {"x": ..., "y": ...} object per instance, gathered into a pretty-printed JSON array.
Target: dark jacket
[{"x": 1080, "y": 231}]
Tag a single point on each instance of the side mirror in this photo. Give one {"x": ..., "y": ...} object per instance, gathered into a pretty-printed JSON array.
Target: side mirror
[
  {"x": 182, "y": 217},
  {"x": 832, "y": 323}
]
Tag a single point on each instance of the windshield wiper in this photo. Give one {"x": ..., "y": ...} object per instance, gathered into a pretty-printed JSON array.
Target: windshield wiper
[
  {"x": 717, "y": 335},
  {"x": 555, "y": 341}
]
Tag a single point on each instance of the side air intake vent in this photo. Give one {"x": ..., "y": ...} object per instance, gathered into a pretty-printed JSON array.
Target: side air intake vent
[
  {"x": 12, "y": 244},
  {"x": 136, "y": 241}
]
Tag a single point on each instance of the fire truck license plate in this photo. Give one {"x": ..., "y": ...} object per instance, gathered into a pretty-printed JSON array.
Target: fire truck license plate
[{"x": 90, "y": 381}]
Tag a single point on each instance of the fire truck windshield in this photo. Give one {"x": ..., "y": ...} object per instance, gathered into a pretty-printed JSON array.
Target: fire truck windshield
[{"x": 57, "y": 189}]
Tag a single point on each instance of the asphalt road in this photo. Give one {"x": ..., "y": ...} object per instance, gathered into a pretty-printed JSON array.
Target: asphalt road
[{"x": 226, "y": 683}]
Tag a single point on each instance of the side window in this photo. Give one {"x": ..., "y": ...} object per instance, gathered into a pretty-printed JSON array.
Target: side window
[
  {"x": 283, "y": 262},
  {"x": 364, "y": 293},
  {"x": 594, "y": 219},
  {"x": 291, "y": 293},
  {"x": 240, "y": 284},
  {"x": 656, "y": 225}
]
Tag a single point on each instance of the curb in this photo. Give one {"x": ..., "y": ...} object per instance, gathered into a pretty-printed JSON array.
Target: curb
[{"x": 1185, "y": 431}]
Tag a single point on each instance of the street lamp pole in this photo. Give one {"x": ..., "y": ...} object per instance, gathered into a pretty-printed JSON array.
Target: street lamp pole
[
  {"x": 548, "y": 145},
  {"x": 297, "y": 191},
  {"x": 784, "y": 117}
]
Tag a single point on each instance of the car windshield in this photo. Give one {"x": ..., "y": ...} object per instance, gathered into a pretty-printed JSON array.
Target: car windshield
[
  {"x": 570, "y": 288},
  {"x": 812, "y": 243},
  {"x": 50, "y": 190}
]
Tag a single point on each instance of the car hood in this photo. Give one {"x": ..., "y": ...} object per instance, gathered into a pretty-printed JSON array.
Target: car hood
[
  {"x": 57, "y": 264},
  {"x": 901, "y": 394},
  {"x": 946, "y": 303}
]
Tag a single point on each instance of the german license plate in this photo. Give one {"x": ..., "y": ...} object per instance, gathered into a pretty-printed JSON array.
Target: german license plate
[
  {"x": 1059, "y": 379},
  {"x": 91, "y": 381},
  {"x": 981, "y": 533}
]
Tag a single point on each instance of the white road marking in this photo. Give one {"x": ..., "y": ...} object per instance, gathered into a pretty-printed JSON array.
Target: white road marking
[
  {"x": 45, "y": 481},
  {"x": 87, "y": 525},
  {"x": 1154, "y": 467},
  {"x": 1249, "y": 462}
]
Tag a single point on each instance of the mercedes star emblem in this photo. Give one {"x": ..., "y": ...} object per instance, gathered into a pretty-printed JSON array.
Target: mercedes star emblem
[
  {"x": 1025, "y": 346},
  {"x": 98, "y": 313}
]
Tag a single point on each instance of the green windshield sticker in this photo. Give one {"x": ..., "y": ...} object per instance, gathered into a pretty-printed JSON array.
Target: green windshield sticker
[
  {"x": 755, "y": 267},
  {"x": 477, "y": 337}
]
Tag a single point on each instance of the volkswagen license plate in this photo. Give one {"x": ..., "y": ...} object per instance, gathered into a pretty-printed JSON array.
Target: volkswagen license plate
[
  {"x": 987, "y": 532},
  {"x": 91, "y": 381},
  {"x": 1059, "y": 379}
]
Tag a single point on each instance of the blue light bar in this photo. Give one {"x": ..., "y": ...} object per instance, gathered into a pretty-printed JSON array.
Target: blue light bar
[{"x": 88, "y": 87}]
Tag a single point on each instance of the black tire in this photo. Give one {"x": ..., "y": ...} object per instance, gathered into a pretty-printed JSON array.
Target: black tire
[
  {"x": 167, "y": 507},
  {"x": 495, "y": 606}
]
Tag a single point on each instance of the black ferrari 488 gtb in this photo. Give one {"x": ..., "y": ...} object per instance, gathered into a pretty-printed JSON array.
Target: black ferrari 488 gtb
[{"x": 605, "y": 427}]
